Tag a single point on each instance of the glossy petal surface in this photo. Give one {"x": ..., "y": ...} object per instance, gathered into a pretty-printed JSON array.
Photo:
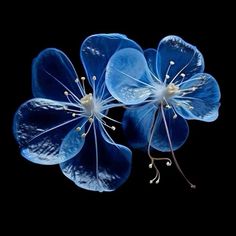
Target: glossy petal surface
[
  {"x": 127, "y": 77},
  {"x": 137, "y": 123},
  {"x": 204, "y": 101},
  {"x": 52, "y": 75},
  {"x": 95, "y": 52},
  {"x": 40, "y": 125},
  {"x": 178, "y": 130},
  {"x": 105, "y": 171},
  {"x": 186, "y": 58}
]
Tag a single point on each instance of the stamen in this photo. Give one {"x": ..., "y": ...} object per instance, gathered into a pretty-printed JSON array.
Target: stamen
[
  {"x": 171, "y": 63},
  {"x": 153, "y": 159},
  {"x": 171, "y": 147},
  {"x": 79, "y": 87},
  {"x": 85, "y": 134},
  {"x": 83, "y": 79}
]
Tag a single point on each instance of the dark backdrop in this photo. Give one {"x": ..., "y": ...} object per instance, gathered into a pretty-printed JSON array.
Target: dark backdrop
[{"x": 31, "y": 189}]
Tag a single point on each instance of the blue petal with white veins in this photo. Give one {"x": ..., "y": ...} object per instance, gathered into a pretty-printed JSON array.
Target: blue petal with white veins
[
  {"x": 104, "y": 168},
  {"x": 202, "y": 103},
  {"x": 40, "y": 126},
  {"x": 151, "y": 56},
  {"x": 52, "y": 75},
  {"x": 128, "y": 78},
  {"x": 177, "y": 58},
  {"x": 178, "y": 130},
  {"x": 95, "y": 53},
  {"x": 137, "y": 123}
]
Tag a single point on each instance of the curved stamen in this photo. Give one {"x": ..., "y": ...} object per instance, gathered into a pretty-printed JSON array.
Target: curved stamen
[
  {"x": 181, "y": 70},
  {"x": 171, "y": 147},
  {"x": 171, "y": 63}
]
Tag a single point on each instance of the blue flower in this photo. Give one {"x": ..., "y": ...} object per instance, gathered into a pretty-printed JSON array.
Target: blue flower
[
  {"x": 66, "y": 125},
  {"x": 170, "y": 87}
]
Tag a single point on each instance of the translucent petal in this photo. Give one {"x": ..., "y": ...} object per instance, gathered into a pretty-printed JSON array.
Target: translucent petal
[
  {"x": 186, "y": 58},
  {"x": 40, "y": 125},
  {"x": 178, "y": 130},
  {"x": 95, "y": 52},
  {"x": 52, "y": 75},
  {"x": 137, "y": 123},
  {"x": 127, "y": 77},
  {"x": 151, "y": 56},
  {"x": 201, "y": 104},
  {"x": 105, "y": 171}
]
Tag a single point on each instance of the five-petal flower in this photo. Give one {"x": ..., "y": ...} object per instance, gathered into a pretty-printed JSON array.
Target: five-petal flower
[
  {"x": 65, "y": 125},
  {"x": 169, "y": 85}
]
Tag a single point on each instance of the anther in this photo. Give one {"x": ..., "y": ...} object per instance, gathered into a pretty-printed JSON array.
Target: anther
[
  {"x": 94, "y": 77},
  {"x": 76, "y": 80},
  {"x": 175, "y": 116},
  {"x": 167, "y": 76},
  {"x": 90, "y": 119},
  {"x": 113, "y": 128},
  {"x": 73, "y": 114},
  {"x": 150, "y": 166},
  {"x": 151, "y": 181},
  {"x": 83, "y": 135},
  {"x": 78, "y": 128},
  {"x": 66, "y": 93},
  {"x": 172, "y": 62},
  {"x": 82, "y": 78},
  {"x": 182, "y": 75},
  {"x": 190, "y": 108}
]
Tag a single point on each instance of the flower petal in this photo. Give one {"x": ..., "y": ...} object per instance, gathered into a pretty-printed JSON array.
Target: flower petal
[
  {"x": 137, "y": 123},
  {"x": 151, "y": 56},
  {"x": 178, "y": 130},
  {"x": 40, "y": 126},
  {"x": 95, "y": 53},
  {"x": 128, "y": 78},
  {"x": 104, "y": 171},
  {"x": 52, "y": 75},
  {"x": 201, "y": 104},
  {"x": 186, "y": 58}
]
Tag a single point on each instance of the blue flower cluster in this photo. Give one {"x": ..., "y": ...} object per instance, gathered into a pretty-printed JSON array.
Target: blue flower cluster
[{"x": 67, "y": 123}]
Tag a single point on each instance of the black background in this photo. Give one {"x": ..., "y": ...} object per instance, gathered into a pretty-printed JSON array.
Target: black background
[{"x": 31, "y": 190}]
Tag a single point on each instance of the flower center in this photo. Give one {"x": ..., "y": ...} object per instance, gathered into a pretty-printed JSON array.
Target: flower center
[
  {"x": 171, "y": 90},
  {"x": 88, "y": 104}
]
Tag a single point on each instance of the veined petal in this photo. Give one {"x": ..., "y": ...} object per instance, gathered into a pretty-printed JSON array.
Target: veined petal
[
  {"x": 178, "y": 59},
  {"x": 151, "y": 56},
  {"x": 40, "y": 125},
  {"x": 203, "y": 102},
  {"x": 95, "y": 53},
  {"x": 128, "y": 78},
  {"x": 101, "y": 166},
  {"x": 52, "y": 75},
  {"x": 178, "y": 129},
  {"x": 137, "y": 123}
]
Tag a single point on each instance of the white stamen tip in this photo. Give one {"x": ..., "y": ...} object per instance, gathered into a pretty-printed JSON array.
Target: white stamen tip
[
  {"x": 157, "y": 182},
  {"x": 83, "y": 135},
  {"x": 73, "y": 114},
  {"x": 168, "y": 106},
  {"x": 190, "y": 108},
  {"x": 94, "y": 77},
  {"x": 168, "y": 163},
  {"x": 167, "y": 76},
  {"x": 193, "y": 186},
  {"x": 194, "y": 88},
  {"x": 150, "y": 166},
  {"x": 76, "y": 80},
  {"x": 151, "y": 181},
  {"x": 82, "y": 78},
  {"x": 182, "y": 75},
  {"x": 113, "y": 128},
  {"x": 66, "y": 93},
  {"x": 90, "y": 120},
  {"x": 78, "y": 128},
  {"x": 172, "y": 62},
  {"x": 175, "y": 116}
]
